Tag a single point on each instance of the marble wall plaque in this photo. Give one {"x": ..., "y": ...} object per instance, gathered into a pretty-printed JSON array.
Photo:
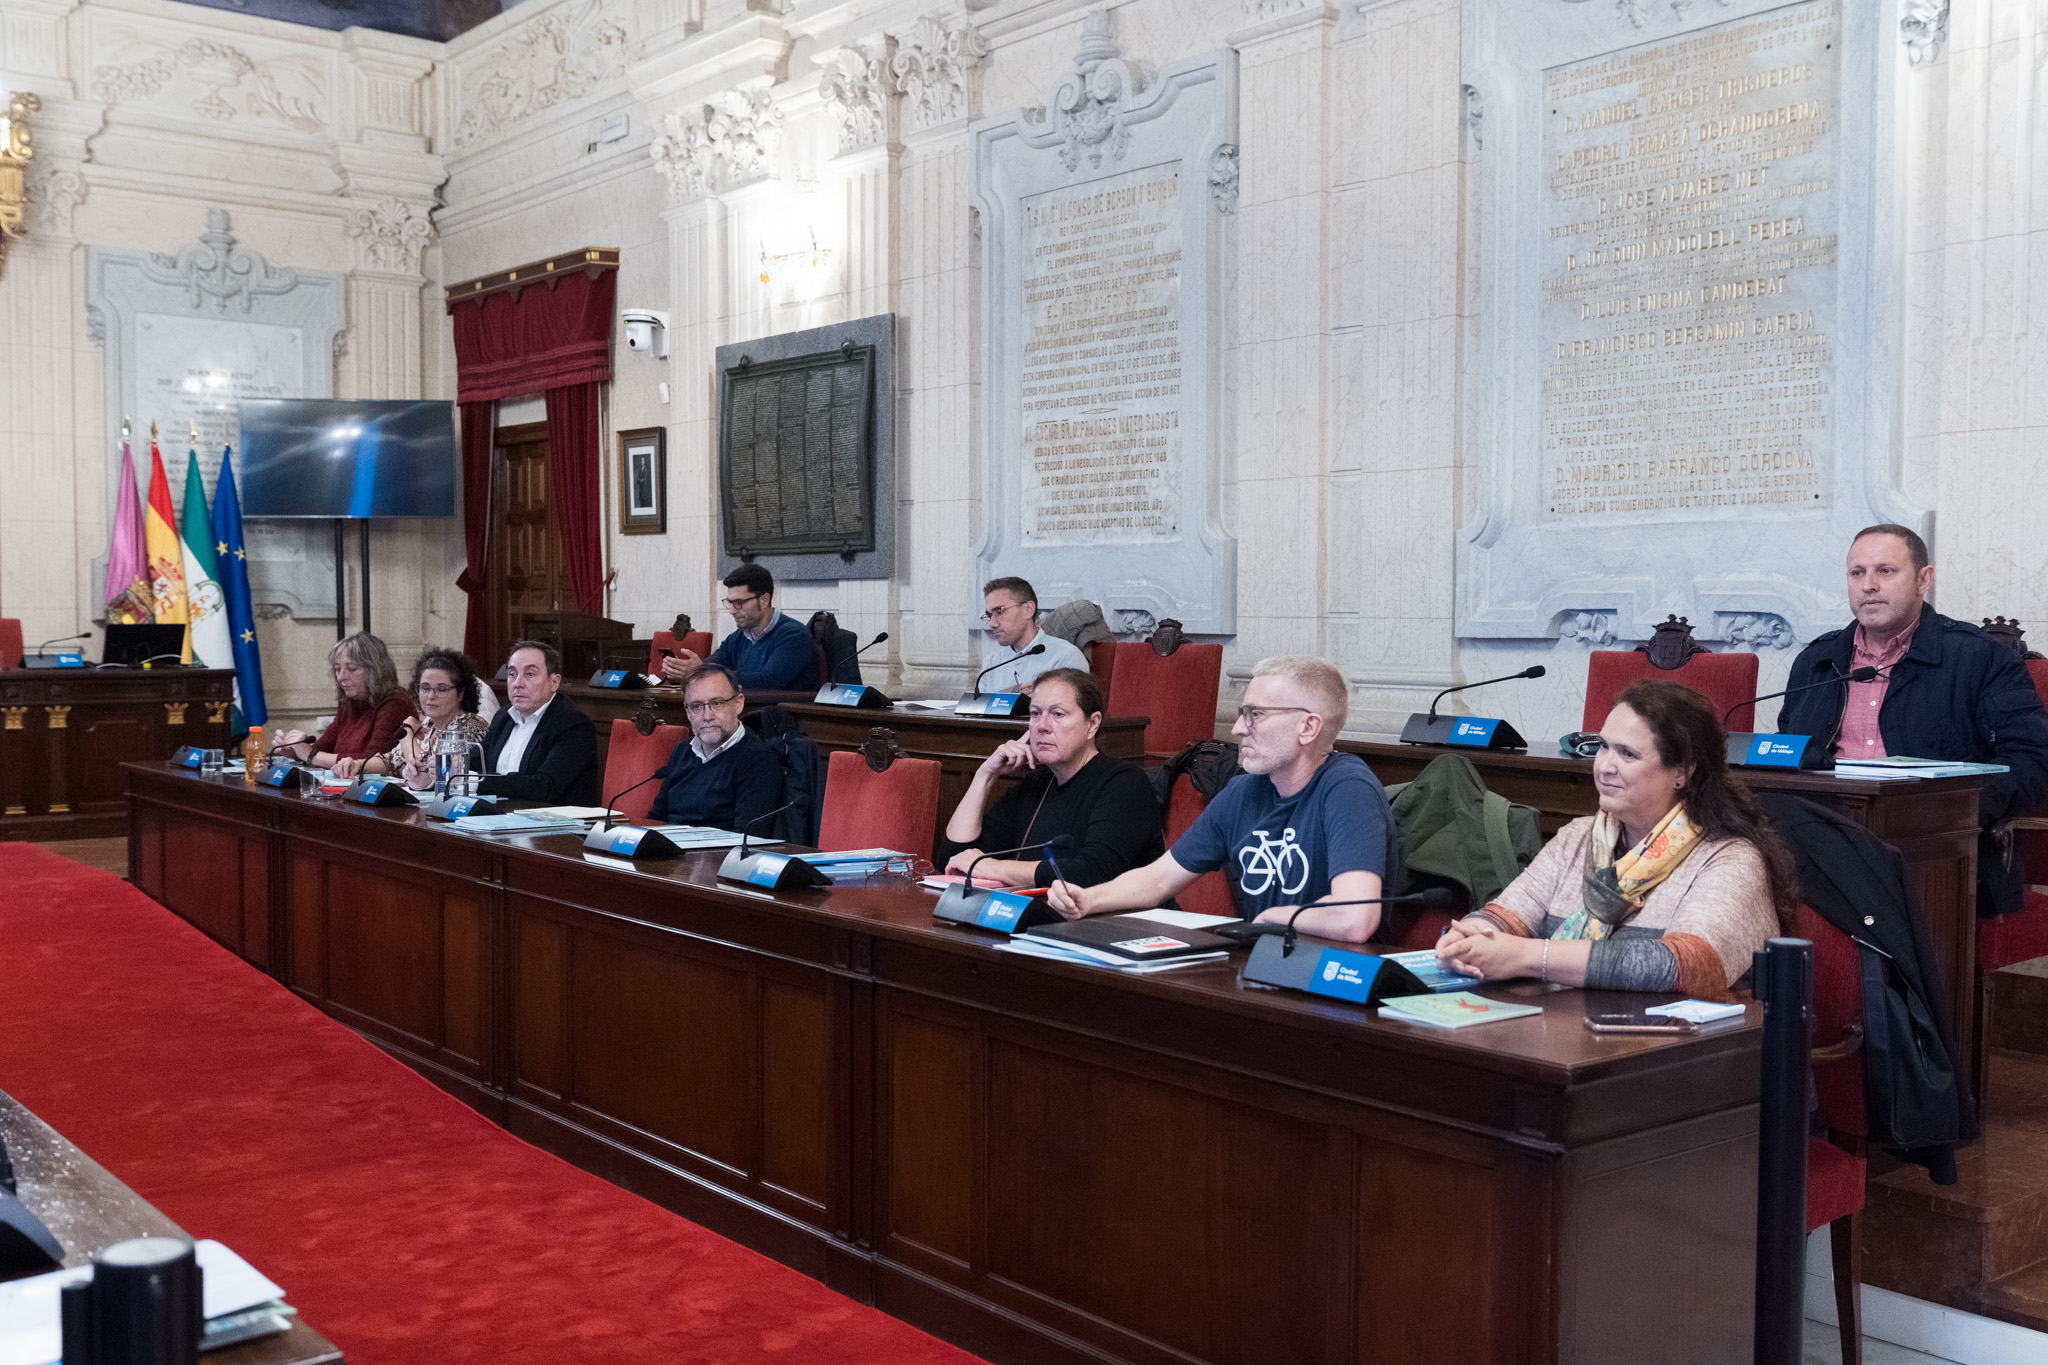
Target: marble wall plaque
[
  {"x": 1688, "y": 316},
  {"x": 1101, "y": 238},
  {"x": 187, "y": 335}
]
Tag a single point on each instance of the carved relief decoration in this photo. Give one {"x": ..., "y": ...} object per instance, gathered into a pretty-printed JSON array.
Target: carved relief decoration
[
  {"x": 1593, "y": 629},
  {"x": 1923, "y": 27},
  {"x": 285, "y": 90},
  {"x": 938, "y": 69},
  {"x": 389, "y": 235},
  {"x": 1475, "y": 117},
  {"x": 50, "y": 196},
  {"x": 730, "y": 141},
  {"x": 563, "y": 55},
  {"x": 1223, "y": 177},
  {"x": 1759, "y": 630},
  {"x": 216, "y": 269},
  {"x": 1087, "y": 107},
  {"x": 859, "y": 93}
]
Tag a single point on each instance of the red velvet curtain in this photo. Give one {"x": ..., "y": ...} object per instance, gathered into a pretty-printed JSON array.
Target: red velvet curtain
[{"x": 554, "y": 338}]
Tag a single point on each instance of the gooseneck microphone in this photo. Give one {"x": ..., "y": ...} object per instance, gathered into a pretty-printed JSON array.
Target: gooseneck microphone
[
  {"x": 658, "y": 772},
  {"x": 747, "y": 828},
  {"x": 1052, "y": 845},
  {"x": 1533, "y": 671},
  {"x": 871, "y": 644},
  {"x": 1856, "y": 675},
  {"x": 64, "y": 639},
  {"x": 1435, "y": 898},
  {"x": 1038, "y": 648}
]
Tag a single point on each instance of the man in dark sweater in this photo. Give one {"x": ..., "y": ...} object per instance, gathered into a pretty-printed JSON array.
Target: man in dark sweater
[
  {"x": 767, "y": 651},
  {"x": 723, "y": 776},
  {"x": 1103, "y": 805}
]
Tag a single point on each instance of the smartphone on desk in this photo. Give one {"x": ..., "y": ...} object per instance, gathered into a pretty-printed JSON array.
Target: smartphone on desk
[{"x": 1635, "y": 1021}]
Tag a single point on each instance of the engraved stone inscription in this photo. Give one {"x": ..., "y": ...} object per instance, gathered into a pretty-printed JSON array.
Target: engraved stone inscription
[
  {"x": 195, "y": 371},
  {"x": 1692, "y": 207},
  {"x": 1102, "y": 360},
  {"x": 796, "y": 459}
]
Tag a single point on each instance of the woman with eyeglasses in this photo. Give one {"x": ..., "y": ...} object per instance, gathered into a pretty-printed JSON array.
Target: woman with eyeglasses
[
  {"x": 370, "y": 707},
  {"x": 1673, "y": 886},
  {"x": 1103, "y": 805},
  {"x": 444, "y": 685}
]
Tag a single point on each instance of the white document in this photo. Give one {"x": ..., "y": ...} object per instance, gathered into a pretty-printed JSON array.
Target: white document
[
  {"x": 1182, "y": 919},
  {"x": 566, "y": 812},
  {"x": 31, "y": 1334},
  {"x": 702, "y": 836},
  {"x": 1091, "y": 957},
  {"x": 941, "y": 705}
]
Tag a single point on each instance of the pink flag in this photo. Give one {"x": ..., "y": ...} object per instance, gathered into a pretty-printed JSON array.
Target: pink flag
[{"x": 129, "y": 600}]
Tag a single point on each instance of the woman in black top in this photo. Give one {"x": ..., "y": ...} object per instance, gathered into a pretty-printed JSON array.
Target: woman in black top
[{"x": 1104, "y": 805}]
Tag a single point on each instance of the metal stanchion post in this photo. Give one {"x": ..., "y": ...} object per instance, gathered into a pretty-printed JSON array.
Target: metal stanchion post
[{"x": 1783, "y": 974}]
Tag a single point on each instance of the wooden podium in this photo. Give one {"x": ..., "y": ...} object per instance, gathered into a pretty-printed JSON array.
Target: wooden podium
[{"x": 577, "y": 635}]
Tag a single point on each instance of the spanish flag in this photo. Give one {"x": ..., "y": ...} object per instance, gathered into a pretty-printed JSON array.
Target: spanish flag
[{"x": 166, "y": 552}]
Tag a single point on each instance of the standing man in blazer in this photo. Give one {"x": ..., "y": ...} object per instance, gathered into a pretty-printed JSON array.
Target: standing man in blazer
[{"x": 540, "y": 747}]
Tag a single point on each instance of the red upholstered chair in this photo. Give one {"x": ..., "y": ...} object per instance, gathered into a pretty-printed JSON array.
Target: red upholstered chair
[
  {"x": 1835, "y": 1164},
  {"x": 1102, "y": 662},
  {"x": 1210, "y": 893},
  {"x": 10, "y": 642},
  {"x": 896, "y": 808},
  {"x": 633, "y": 756},
  {"x": 2021, "y": 936},
  {"x": 697, "y": 642},
  {"x": 1177, "y": 692},
  {"x": 1724, "y": 679}
]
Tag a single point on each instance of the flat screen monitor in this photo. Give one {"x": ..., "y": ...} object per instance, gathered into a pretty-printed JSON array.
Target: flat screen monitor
[
  {"x": 331, "y": 457},
  {"x": 134, "y": 644}
]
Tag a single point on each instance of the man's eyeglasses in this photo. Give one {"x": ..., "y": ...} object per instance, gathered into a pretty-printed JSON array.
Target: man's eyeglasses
[
  {"x": 1252, "y": 715},
  {"x": 733, "y": 604},
  {"x": 995, "y": 614},
  {"x": 709, "y": 705}
]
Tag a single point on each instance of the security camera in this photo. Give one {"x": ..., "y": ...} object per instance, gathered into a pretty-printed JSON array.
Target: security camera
[{"x": 646, "y": 330}]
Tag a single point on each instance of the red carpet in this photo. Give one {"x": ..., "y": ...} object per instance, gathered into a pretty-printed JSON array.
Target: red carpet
[{"x": 403, "y": 1225}]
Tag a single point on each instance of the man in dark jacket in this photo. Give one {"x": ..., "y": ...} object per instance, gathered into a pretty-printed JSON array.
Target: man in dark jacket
[
  {"x": 540, "y": 747},
  {"x": 1943, "y": 690}
]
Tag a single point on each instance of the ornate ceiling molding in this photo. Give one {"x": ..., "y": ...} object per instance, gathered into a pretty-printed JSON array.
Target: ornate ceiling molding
[
  {"x": 215, "y": 270},
  {"x": 859, "y": 93},
  {"x": 390, "y": 235},
  {"x": 938, "y": 68},
  {"x": 563, "y": 55},
  {"x": 731, "y": 140}
]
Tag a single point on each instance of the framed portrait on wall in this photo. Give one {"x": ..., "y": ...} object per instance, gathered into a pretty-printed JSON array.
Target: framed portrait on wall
[{"x": 643, "y": 481}]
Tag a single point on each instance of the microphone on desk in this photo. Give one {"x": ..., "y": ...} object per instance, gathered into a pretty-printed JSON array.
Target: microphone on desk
[
  {"x": 658, "y": 772},
  {"x": 1435, "y": 898},
  {"x": 964, "y": 904},
  {"x": 775, "y": 871},
  {"x": 1038, "y": 648},
  {"x": 871, "y": 644},
  {"x": 37, "y": 659},
  {"x": 747, "y": 829},
  {"x": 1058, "y": 843},
  {"x": 63, "y": 639},
  {"x": 1472, "y": 732},
  {"x": 1750, "y": 750}
]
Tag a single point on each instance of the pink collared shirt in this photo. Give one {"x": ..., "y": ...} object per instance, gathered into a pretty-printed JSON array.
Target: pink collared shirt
[{"x": 1860, "y": 735}]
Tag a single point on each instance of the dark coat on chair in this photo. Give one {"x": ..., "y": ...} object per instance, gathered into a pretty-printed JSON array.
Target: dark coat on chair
[
  {"x": 559, "y": 766},
  {"x": 1919, "y": 1103},
  {"x": 1958, "y": 694}
]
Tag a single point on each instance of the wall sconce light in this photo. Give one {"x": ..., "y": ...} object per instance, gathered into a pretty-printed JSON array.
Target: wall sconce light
[{"x": 15, "y": 152}]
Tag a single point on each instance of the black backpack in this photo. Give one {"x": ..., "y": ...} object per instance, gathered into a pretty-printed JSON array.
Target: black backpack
[{"x": 803, "y": 777}]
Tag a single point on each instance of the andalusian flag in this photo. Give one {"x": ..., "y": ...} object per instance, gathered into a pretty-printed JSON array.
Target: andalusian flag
[
  {"x": 128, "y": 598},
  {"x": 166, "y": 555},
  {"x": 209, "y": 634},
  {"x": 233, "y": 563}
]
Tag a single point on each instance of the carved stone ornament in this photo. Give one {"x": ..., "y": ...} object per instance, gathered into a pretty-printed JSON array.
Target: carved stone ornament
[
  {"x": 859, "y": 93},
  {"x": 389, "y": 235},
  {"x": 938, "y": 69},
  {"x": 680, "y": 626},
  {"x": 1167, "y": 638},
  {"x": 880, "y": 748},
  {"x": 1672, "y": 644},
  {"x": 1135, "y": 621},
  {"x": 1087, "y": 107},
  {"x": 648, "y": 716},
  {"x": 1223, "y": 177},
  {"x": 563, "y": 55},
  {"x": 1923, "y": 28},
  {"x": 1635, "y": 11},
  {"x": 1760, "y": 630},
  {"x": 1593, "y": 629},
  {"x": 52, "y": 196},
  {"x": 1475, "y": 117},
  {"x": 217, "y": 271},
  {"x": 284, "y": 91},
  {"x": 730, "y": 141}
]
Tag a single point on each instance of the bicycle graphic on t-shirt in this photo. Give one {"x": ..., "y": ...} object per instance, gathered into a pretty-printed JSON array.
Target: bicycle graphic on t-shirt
[{"x": 1272, "y": 860}]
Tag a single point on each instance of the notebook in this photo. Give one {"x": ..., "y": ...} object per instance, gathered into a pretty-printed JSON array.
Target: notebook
[{"x": 1459, "y": 1009}]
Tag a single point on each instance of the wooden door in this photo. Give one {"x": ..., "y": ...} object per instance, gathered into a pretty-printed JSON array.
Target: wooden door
[{"x": 529, "y": 571}]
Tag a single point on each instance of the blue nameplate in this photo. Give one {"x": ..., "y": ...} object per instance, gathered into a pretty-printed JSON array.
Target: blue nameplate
[
  {"x": 609, "y": 677},
  {"x": 1473, "y": 732},
  {"x": 850, "y": 694},
  {"x": 1775, "y": 751},
  {"x": 68, "y": 660},
  {"x": 188, "y": 756},
  {"x": 282, "y": 775},
  {"x": 992, "y": 704},
  {"x": 461, "y": 806},
  {"x": 1001, "y": 910},
  {"x": 379, "y": 791},
  {"x": 1344, "y": 976},
  {"x": 623, "y": 839},
  {"x": 766, "y": 869}
]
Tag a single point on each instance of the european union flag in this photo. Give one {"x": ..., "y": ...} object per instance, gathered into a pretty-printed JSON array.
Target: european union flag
[{"x": 234, "y": 585}]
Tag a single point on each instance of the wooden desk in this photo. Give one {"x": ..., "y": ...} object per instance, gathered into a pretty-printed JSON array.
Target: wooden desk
[
  {"x": 87, "y": 1210},
  {"x": 65, "y": 732},
  {"x": 1036, "y": 1161},
  {"x": 1932, "y": 822}
]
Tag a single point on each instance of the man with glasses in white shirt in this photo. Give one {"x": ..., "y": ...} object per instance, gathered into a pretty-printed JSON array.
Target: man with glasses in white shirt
[
  {"x": 767, "y": 651},
  {"x": 541, "y": 747},
  {"x": 1010, "y": 611},
  {"x": 723, "y": 775}
]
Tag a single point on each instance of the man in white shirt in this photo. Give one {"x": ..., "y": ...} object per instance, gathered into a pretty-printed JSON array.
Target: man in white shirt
[{"x": 1010, "y": 609}]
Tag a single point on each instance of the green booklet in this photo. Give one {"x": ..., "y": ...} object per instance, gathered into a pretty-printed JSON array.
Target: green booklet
[{"x": 1456, "y": 1009}]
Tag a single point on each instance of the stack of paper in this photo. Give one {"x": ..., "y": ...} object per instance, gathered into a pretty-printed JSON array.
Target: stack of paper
[
  {"x": 519, "y": 822},
  {"x": 1432, "y": 972},
  {"x": 854, "y": 864},
  {"x": 239, "y": 1303},
  {"x": 1095, "y": 957},
  {"x": 701, "y": 836},
  {"x": 1900, "y": 765},
  {"x": 566, "y": 812}
]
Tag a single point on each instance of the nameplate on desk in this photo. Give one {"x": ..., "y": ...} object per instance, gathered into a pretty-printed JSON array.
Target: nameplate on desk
[
  {"x": 379, "y": 791},
  {"x": 1464, "y": 732},
  {"x": 630, "y": 841},
  {"x": 188, "y": 756},
  {"x": 851, "y": 694},
  {"x": 1006, "y": 912},
  {"x": 456, "y": 807},
  {"x": 992, "y": 704},
  {"x": 1338, "y": 973},
  {"x": 775, "y": 871},
  {"x": 624, "y": 679},
  {"x": 69, "y": 658},
  {"x": 1776, "y": 751},
  {"x": 287, "y": 776}
]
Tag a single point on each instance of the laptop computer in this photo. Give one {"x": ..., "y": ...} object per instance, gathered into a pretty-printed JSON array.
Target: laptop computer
[{"x": 132, "y": 645}]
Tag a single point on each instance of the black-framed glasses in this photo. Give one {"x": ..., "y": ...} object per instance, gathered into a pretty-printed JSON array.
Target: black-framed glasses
[
  {"x": 435, "y": 689},
  {"x": 1252, "y": 715},
  {"x": 735, "y": 603},
  {"x": 709, "y": 704}
]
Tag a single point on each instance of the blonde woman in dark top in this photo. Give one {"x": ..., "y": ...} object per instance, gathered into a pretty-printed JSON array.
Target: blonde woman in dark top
[{"x": 369, "y": 706}]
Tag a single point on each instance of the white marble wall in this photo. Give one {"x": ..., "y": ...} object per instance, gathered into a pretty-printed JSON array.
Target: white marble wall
[{"x": 1350, "y": 270}]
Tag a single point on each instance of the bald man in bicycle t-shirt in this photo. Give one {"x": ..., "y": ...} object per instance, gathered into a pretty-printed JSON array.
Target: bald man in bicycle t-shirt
[{"x": 1302, "y": 824}]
